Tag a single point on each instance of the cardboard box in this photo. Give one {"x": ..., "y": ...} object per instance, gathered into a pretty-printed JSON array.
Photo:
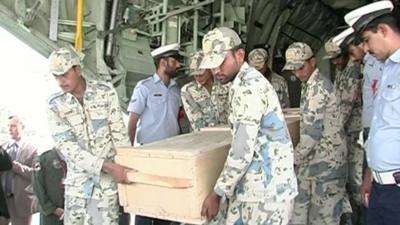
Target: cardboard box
[
  {"x": 292, "y": 117},
  {"x": 172, "y": 177}
]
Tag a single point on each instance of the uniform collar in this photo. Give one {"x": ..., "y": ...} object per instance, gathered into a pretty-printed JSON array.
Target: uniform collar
[
  {"x": 313, "y": 76},
  {"x": 88, "y": 90},
  {"x": 367, "y": 57},
  {"x": 156, "y": 79},
  {"x": 243, "y": 68},
  {"x": 199, "y": 86},
  {"x": 395, "y": 57}
]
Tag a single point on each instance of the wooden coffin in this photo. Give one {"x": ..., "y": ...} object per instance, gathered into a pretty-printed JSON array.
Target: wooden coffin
[{"x": 172, "y": 177}]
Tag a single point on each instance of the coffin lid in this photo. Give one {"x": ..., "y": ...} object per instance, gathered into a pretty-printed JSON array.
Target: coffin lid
[{"x": 181, "y": 146}]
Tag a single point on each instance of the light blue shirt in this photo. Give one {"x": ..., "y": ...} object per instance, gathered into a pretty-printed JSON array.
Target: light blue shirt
[
  {"x": 383, "y": 149},
  {"x": 158, "y": 107},
  {"x": 372, "y": 74}
]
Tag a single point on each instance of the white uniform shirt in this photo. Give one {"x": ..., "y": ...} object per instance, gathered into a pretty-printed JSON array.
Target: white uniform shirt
[
  {"x": 158, "y": 107},
  {"x": 372, "y": 74}
]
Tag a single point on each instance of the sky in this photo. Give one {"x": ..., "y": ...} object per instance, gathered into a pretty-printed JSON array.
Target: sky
[{"x": 25, "y": 86}]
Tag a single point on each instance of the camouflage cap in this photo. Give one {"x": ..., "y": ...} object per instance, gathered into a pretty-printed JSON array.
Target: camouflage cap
[
  {"x": 332, "y": 49},
  {"x": 258, "y": 57},
  {"x": 195, "y": 60},
  {"x": 296, "y": 55},
  {"x": 216, "y": 44},
  {"x": 62, "y": 59}
]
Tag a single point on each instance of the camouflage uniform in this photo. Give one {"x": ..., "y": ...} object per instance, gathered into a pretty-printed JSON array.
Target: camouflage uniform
[
  {"x": 348, "y": 93},
  {"x": 87, "y": 135},
  {"x": 280, "y": 85},
  {"x": 257, "y": 58},
  {"x": 260, "y": 163},
  {"x": 258, "y": 177},
  {"x": 203, "y": 108},
  {"x": 333, "y": 51},
  {"x": 320, "y": 156}
]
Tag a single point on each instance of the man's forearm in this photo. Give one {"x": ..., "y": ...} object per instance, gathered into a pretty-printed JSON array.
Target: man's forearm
[
  {"x": 132, "y": 133},
  {"x": 132, "y": 125}
]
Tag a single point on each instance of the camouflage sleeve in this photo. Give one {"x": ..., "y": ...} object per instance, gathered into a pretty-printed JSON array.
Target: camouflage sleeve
[
  {"x": 285, "y": 95},
  {"x": 193, "y": 110},
  {"x": 46, "y": 205},
  {"x": 247, "y": 109},
  {"x": 350, "y": 89},
  {"x": 73, "y": 149},
  {"x": 239, "y": 158},
  {"x": 117, "y": 127},
  {"x": 223, "y": 103},
  {"x": 311, "y": 127}
]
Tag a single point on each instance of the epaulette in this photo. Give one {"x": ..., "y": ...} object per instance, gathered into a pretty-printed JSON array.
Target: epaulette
[
  {"x": 55, "y": 96},
  {"x": 104, "y": 85},
  {"x": 146, "y": 80}
]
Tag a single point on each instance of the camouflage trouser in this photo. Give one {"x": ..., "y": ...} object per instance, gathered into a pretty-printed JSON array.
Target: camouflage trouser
[
  {"x": 259, "y": 213},
  {"x": 355, "y": 161},
  {"x": 79, "y": 211},
  {"x": 346, "y": 204},
  {"x": 319, "y": 202}
]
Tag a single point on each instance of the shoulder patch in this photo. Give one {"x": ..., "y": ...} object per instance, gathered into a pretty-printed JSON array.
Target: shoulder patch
[
  {"x": 103, "y": 85},
  {"x": 189, "y": 85}
]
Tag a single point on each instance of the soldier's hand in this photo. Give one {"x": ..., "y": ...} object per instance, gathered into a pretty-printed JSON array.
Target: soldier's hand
[
  {"x": 118, "y": 172},
  {"x": 366, "y": 187},
  {"x": 58, "y": 212},
  {"x": 210, "y": 206}
]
